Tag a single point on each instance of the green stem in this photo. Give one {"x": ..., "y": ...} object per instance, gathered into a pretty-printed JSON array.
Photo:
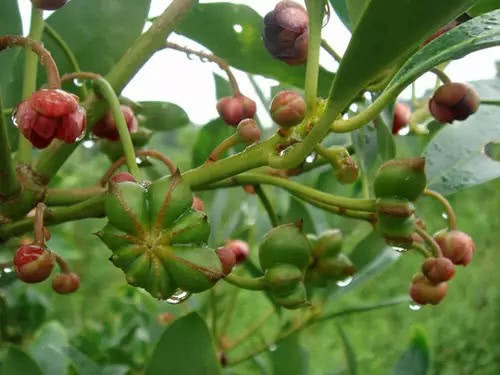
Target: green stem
[
  {"x": 267, "y": 205},
  {"x": 222, "y": 147},
  {"x": 148, "y": 43},
  {"x": 330, "y": 50},
  {"x": 213, "y": 308},
  {"x": 443, "y": 77},
  {"x": 297, "y": 188},
  {"x": 109, "y": 95},
  {"x": 24, "y": 148},
  {"x": 67, "y": 52},
  {"x": 452, "y": 218},
  {"x": 246, "y": 282},
  {"x": 490, "y": 101},
  {"x": 436, "y": 250},
  {"x": 8, "y": 180},
  {"x": 65, "y": 197},
  {"x": 93, "y": 207},
  {"x": 316, "y": 9}
]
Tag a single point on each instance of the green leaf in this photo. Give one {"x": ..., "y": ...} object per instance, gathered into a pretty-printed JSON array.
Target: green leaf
[
  {"x": 456, "y": 157},
  {"x": 82, "y": 363},
  {"x": 349, "y": 351},
  {"x": 290, "y": 358},
  {"x": 161, "y": 116},
  {"x": 298, "y": 211},
  {"x": 243, "y": 50},
  {"x": 340, "y": 8},
  {"x": 17, "y": 362},
  {"x": 415, "y": 361},
  {"x": 185, "y": 348},
  {"x": 483, "y": 6},
  {"x": 47, "y": 346},
  {"x": 356, "y": 9},
  {"x": 478, "y": 33},
  {"x": 10, "y": 23},
  {"x": 386, "y": 35},
  {"x": 209, "y": 136}
]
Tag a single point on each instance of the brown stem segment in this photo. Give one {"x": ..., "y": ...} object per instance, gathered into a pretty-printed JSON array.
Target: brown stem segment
[
  {"x": 63, "y": 265},
  {"x": 452, "y": 218},
  {"x": 38, "y": 224},
  {"x": 210, "y": 57},
  {"x": 436, "y": 250},
  {"x": 223, "y": 146},
  {"x": 80, "y": 75},
  {"x": 53, "y": 79},
  {"x": 151, "y": 153}
]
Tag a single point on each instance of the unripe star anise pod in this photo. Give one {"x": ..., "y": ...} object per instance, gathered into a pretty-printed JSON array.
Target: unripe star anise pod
[
  {"x": 234, "y": 109},
  {"x": 49, "y": 114},
  {"x": 454, "y": 101},
  {"x": 288, "y": 109},
  {"x": 66, "y": 283},
  {"x": 106, "y": 128},
  {"x": 49, "y": 4},
  {"x": 457, "y": 246},
  {"x": 33, "y": 263},
  {"x": 286, "y": 34}
]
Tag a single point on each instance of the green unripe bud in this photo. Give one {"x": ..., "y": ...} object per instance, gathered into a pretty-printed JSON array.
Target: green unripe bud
[
  {"x": 396, "y": 221},
  {"x": 283, "y": 279},
  {"x": 401, "y": 178},
  {"x": 328, "y": 244},
  {"x": 285, "y": 244},
  {"x": 294, "y": 300}
]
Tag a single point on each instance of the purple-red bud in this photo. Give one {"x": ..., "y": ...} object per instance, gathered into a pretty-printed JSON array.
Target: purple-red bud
[
  {"x": 438, "y": 270},
  {"x": 401, "y": 117},
  {"x": 423, "y": 292},
  {"x": 248, "y": 131},
  {"x": 454, "y": 101},
  {"x": 288, "y": 109},
  {"x": 66, "y": 283},
  {"x": 33, "y": 263},
  {"x": 233, "y": 109},
  {"x": 457, "y": 246}
]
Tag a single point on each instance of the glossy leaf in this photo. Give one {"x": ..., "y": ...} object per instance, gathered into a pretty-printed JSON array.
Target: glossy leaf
[
  {"x": 17, "y": 362},
  {"x": 161, "y": 116},
  {"x": 290, "y": 357},
  {"x": 209, "y": 136},
  {"x": 356, "y": 9},
  {"x": 242, "y": 49},
  {"x": 478, "y": 33},
  {"x": 47, "y": 346},
  {"x": 298, "y": 211},
  {"x": 456, "y": 158},
  {"x": 83, "y": 364},
  {"x": 185, "y": 348},
  {"x": 386, "y": 35},
  {"x": 348, "y": 351},
  {"x": 483, "y": 6},
  {"x": 415, "y": 361}
]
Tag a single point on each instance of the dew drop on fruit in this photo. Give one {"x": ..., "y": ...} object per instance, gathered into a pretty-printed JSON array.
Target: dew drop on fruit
[
  {"x": 345, "y": 282},
  {"x": 178, "y": 297},
  {"x": 415, "y": 306}
]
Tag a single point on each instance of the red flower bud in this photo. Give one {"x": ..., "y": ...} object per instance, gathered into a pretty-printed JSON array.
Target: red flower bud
[
  {"x": 197, "y": 204},
  {"x": 240, "y": 250},
  {"x": 33, "y": 263},
  {"x": 457, "y": 246},
  {"x": 288, "y": 109},
  {"x": 65, "y": 283},
  {"x": 105, "y": 127},
  {"x": 49, "y": 4},
  {"x": 233, "y": 109},
  {"x": 438, "y": 270},
  {"x": 454, "y": 101},
  {"x": 401, "y": 118},
  {"x": 49, "y": 114},
  {"x": 248, "y": 131},
  {"x": 423, "y": 292},
  {"x": 227, "y": 259},
  {"x": 285, "y": 32},
  {"x": 122, "y": 177}
]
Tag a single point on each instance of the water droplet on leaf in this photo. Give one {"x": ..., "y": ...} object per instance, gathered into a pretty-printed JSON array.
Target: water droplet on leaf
[
  {"x": 345, "y": 282},
  {"x": 178, "y": 297}
]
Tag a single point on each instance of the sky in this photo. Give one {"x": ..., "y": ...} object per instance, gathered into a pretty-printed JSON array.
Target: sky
[{"x": 189, "y": 83}]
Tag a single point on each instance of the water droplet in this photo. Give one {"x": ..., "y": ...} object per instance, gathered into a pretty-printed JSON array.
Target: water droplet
[
  {"x": 13, "y": 118},
  {"x": 238, "y": 28},
  {"x": 444, "y": 215},
  {"x": 7, "y": 270},
  {"x": 78, "y": 82},
  {"x": 88, "y": 144},
  {"x": 80, "y": 137},
  {"x": 178, "y": 297},
  {"x": 310, "y": 158},
  {"x": 404, "y": 131},
  {"x": 345, "y": 282},
  {"x": 415, "y": 306},
  {"x": 273, "y": 347},
  {"x": 400, "y": 249}
]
